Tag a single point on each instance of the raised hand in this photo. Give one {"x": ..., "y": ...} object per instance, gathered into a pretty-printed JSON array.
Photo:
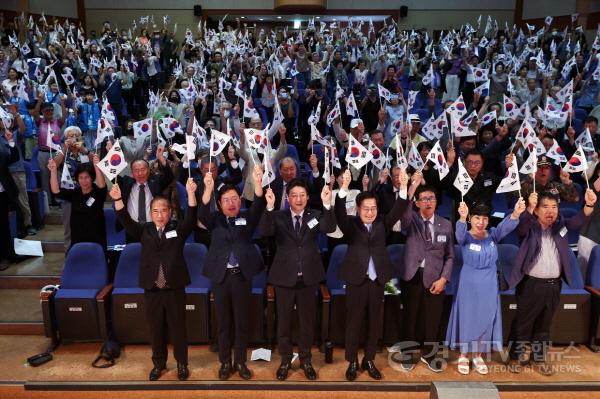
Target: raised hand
[
  {"x": 191, "y": 186},
  {"x": 257, "y": 175},
  {"x": 52, "y": 166},
  {"x": 590, "y": 197},
  {"x": 519, "y": 208},
  {"x": 463, "y": 211},
  {"x": 326, "y": 195},
  {"x": 532, "y": 201},
  {"x": 403, "y": 177},
  {"x": 346, "y": 179},
  {"x": 115, "y": 192},
  {"x": 270, "y": 197},
  {"x": 209, "y": 183}
]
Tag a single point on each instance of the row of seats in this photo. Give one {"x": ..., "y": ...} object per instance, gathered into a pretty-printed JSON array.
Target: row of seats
[{"x": 87, "y": 307}]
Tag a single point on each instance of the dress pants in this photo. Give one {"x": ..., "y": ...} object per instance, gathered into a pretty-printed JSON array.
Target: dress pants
[
  {"x": 366, "y": 297},
  {"x": 422, "y": 315},
  {"x": 7, "y": 250},
  {"x": 21, "y": 181},
  {"x": 304, "y": 297},
  {"x": 166, "y": 307},
  {"x": 232, "y": 297},
  {"x": 537, "y": 301}
]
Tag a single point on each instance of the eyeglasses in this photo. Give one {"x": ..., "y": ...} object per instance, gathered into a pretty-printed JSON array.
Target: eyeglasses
[
  {"x": 370, "y": 209},
  {"x": 474, "y": 163},
  {"x": 231, "y": 200},
  {"x": 297, "y": 196},
  {"x": 427, "y": 199}
]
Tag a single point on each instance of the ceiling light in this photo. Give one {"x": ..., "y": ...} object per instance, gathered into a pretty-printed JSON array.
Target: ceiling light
[
  {"x": 242, "y": 17},
  {"x": 279, "y": 17},
  {"x": 261, "y": 19},
  {"x": 297, "y": 24},
  {"x": 318, "y": 17}
]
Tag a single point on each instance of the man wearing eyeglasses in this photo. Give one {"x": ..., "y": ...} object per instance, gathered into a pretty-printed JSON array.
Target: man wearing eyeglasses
[
  {"x": 366, "y": 268},
  {"x": 297, "y": 268},
  {"x": 426, "y": 269},
  {"x": 231, "y": 263}
]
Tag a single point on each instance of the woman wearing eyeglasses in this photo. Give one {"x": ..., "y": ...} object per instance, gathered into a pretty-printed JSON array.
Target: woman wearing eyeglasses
[{"x": 475, "y": 320}]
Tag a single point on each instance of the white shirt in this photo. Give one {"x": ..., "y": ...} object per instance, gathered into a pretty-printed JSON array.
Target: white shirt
[
  {"x": 132, "y": 202},
  {"x": 399, "y": 193},
  {"x": 547, "y": 264}
]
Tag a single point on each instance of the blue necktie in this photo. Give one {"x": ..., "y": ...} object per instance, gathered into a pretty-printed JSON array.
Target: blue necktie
[
  {"x": 371, "y": 270},
  {"x": 232, "y": 259}
]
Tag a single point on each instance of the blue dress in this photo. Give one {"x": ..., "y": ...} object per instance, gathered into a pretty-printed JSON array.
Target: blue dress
[{"x": 475, "y": 320}]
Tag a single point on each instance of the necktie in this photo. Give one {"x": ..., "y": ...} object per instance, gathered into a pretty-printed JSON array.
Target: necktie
[
  {"x": 232, "y": 259},
  {"x": 297, "y": 224},
  {"x": 142, "y": 204},
  {"x": 371, "y": 270},
  {"x": 286, "y": 203},
  {"x": 427, "y": 231},
  {"x": 161, "y": 281}
]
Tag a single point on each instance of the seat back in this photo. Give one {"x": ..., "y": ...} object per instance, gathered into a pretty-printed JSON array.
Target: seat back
[
  {"x": 194, "y": 258},
  {"x": 506, "y": 253},
  {"x": 396, "y": 253},
  {"x": 335, "y": 262},
  {"x": 85, "y": 267},
  {"x": 576, "y": 277},
  {"x": 568, "y": 212},
  {"x": 128, "y": 269},
  {"x": 30, "y": 180},
  {"x": 593, "y": 268},
  {"x": 452, "y": 286},
  {"x": 183, "y": 202},
  {"x": 34, "y": 159},
  {"x": 113, "y": 237}
]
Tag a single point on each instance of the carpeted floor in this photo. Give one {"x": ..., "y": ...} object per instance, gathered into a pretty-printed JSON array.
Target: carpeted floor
[{"x": 20, "y": 305}]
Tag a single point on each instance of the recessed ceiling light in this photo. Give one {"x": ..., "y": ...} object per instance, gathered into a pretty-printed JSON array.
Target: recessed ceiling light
[
  {"x": 318, "y": 17},
  {"x": 279, "y": 17},
  {"x": 261, "y": 19},
  {"x": 242, "y": 17}
]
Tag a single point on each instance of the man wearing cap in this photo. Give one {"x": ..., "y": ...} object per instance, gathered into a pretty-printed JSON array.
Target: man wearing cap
[
  {"x": 564, "y": 190},
  {"x": 47, "y": 124}
]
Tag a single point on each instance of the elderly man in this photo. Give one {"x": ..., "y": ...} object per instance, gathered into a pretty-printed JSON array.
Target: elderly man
[
  {"x": 540, "y": 265},
  {"x": 532, "y": 94},
  {"x": 544, "y": 181}
]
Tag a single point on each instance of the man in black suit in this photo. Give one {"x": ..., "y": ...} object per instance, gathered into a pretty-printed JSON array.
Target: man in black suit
[
  {"x": 230, "y": 264},
  {"x": 163, "y": 275},
  {"x": 234, "y": 177},
  {"x": 387, "y": 193},
  {"x": 139, "y": 190},
  {"x": 288, "y": 171},
  {"x": 8, "y": 194},
  {"x": 366, "y": 269},
  {"x": 297, "y": 268}
]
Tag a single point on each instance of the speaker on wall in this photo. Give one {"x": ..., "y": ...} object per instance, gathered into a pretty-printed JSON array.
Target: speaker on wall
[
  {"x": 403, "y": 11},
  {"x": 198, "y": 10}
]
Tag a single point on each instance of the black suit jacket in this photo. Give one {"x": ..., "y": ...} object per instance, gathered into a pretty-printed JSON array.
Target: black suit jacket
[
  {"x": 165, "y": 251},
  {"x": 156, "y": 182},
  {"x": 314, "y": 191},
  {"x": 8, "y": 155},
  {"x": 227, "y": 238},
  {"x": 362, "y": 244},
  {"x": 292, "y": 249}
]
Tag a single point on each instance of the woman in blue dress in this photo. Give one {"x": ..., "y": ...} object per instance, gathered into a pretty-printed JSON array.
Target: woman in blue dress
[{"x": 475, "y": 324}]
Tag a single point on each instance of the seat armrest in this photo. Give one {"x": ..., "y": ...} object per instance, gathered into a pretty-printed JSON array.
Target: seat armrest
[
  {"x": 593, "y": 290},
  {"x": 101, "y": 296},
  {"x": 324, "y": 293},
  {"x": 270, "y": 293},
  {"x": 47, "y": 295}
]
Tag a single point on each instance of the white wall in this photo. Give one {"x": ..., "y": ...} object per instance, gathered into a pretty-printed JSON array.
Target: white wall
[{"x": 60, "y": 8}]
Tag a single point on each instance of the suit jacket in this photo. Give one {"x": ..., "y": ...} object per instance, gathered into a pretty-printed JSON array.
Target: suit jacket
[
  {"x": 167, "y": 250},
  {"x": 363, "y": 244},
  {"x": 438, "y": 256},
  {"x": 293, "y": 250},
  {"x": 227, "y": 238},
  {"x": 530, "y": 231},
  {"x": 8, "y": 155},
  {"x": 156, "y": 182},
  {"x": 315, "y": 186}
]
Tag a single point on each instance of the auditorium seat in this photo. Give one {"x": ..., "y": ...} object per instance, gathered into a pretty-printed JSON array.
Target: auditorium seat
[
  {"x": 197, "y": 304},
  {"x": 580, "y": 114},
  {"x": 593, "y": 287},
  {"x": 571, "y": 322},
  {"x": 128, "y": 312},
  {"x": 445, "y": 207},
  {"x": 113, "y": 237},
  {"x": 76, "y": 311},
  {"x": 572, "y": 235}
]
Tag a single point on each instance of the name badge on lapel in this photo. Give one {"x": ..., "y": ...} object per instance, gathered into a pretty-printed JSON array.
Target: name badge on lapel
[
  {"x": 90, "y": 201},
  {"x": 475, "y": 247},
  {"x": 312, "y": 223},
  {"x": 240, "y": 222},
  {"x": 171, "y": 234},
  {"x": 441, "y": 238},
  {"x": 487, "y": 182},
  {"x": 563, "y": 231}
]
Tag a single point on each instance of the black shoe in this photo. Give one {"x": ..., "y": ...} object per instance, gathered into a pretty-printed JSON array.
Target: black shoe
[
  {"x": 4, "y": 266},
  {"x": 369, "y": 367},
  {"x": 156, "y": 372},
  {"x": 243, "y": 371},
  {"x": 351, "y": 371},
  {"x": 309, "y": 371},
  {"x": 282, "y": 371},
  {"x": 31, "y": 231},
  {"x": 182, "y": 372},
  {"x": 434, "y": 364},
  {"x": 225, "y": 371}
]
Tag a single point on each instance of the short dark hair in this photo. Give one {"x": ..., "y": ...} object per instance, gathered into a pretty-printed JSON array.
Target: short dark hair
[
  {"x": 590, "y": 119},
  {"x": 426, "y": 188},
  {"x": 364, "y": 196},
  {"x": 296, "y": 183},
  {"x": 424, "y": 144},
  {"x": 160, "y": 198},
  {"x": 85, "y": 168},
  {"x": 140, "y": 160},
  {"x": 480, "y": 209},
  {"x": 549, "y": 196},
  {"x": 227, "y": 187},
  {"x": 474, "y": 152}
]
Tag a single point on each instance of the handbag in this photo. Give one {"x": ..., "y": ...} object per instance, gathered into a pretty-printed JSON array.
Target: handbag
[{"x": 109, "y": 351}]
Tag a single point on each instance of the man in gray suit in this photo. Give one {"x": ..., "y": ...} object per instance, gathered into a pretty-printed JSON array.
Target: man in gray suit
[{"x": 426, "y": 269}]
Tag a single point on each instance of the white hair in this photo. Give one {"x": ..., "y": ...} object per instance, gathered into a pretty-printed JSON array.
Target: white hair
[{"x": 75, "y": 128}]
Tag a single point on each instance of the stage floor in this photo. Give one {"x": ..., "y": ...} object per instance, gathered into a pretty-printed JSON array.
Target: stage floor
[{"x": 578, "y": 370}]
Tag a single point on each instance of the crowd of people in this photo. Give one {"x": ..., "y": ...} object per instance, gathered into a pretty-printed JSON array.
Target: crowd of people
[{"x": 338, "y": 129}]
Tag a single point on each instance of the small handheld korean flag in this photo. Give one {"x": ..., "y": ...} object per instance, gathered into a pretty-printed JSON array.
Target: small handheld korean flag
[
  {"x": 488, "y": 118},
  {"x": 333, "y": 114},
  {"x": 66, "y": 181},
  {"x": 511, "y": 181},
  {"x": 326, "y": 166},
  {"x": 351, "y": 108},
  {"x": 218, "y": 141},
  {"x": 249, "y": 110},
  {"x": 585, "y": 140},
  {"x": 480, "y": 74},
  {"x": 436, "y": 155},
  {"x": 339, "y": 92},
  {"x": 315, "y": 116},
  {"x": 383, "y": 92},
  {"x": 142, "y": 128},
  {"x": 414, "y": 158},
  {"x": 511, "y": 111},
  {"x": 316, "y": 136},
  {"x": 458, "y": 108},
  {"x": 170, "y": 127},
  {"x": 114, "y": 162},
  {"x": 269, "y": 173},
  {"x": 53, "y": 140},
  {"x": 483, "y": 89},
  {"x": 530, "y": 165},
  {"x": 556, "y": 153},
  {"x": 577, "y": 163},
  {"x": 104, "y": 130},
  {"x": 357, "y": 155},
  {"x": 463, "y": 181},
  {"x": 428, "y": 78},
  {"x": 379, "y": 158}
]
